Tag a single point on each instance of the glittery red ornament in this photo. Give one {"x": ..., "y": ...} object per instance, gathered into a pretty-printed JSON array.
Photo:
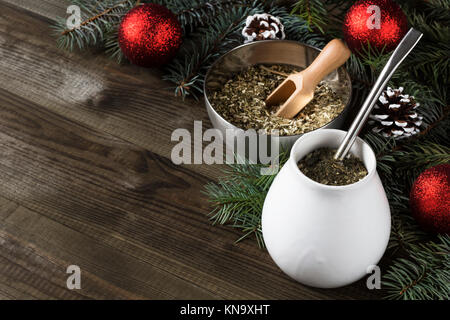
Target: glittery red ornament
[
  {"x": 381, "y": 23},
  {"x": 150, "y": 35},
  {"x": 430, "y": 199}
]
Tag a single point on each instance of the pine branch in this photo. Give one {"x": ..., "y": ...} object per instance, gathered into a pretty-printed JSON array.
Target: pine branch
[
  {"x": 297, "y": 29},
  {"x": 404, "y": 233},
  {"x": 425, "y": 155},
  {"x": 435, "y": 10},
  {"x": 313, "y": 12},
  {"x": 425, "y": 275},
  {"x": 337, "y": 9},
  {"x": 187, "y": 70},
  {"x": 429, "y": 62},
  {"x": 112, "y": 46},
  {"x": 418, "y": 157},
  {"x": 389, "y": 149},
  {"x": 439, "y": 131},
  {"x": 199, "y": 13},
  {"x": 98, "y": 18},
  {"x": 238, "y": 197}
]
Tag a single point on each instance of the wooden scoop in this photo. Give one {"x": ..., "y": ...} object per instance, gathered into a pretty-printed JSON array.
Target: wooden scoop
[{"x": 298, "y": 89}]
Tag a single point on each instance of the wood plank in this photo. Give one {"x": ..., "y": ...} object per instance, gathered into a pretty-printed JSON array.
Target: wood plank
[
  {"x": 126, "y": 101},
  {"x": 9, "y": 293},
  {"x": 135, "y": 178},
  {"x": 51, "y": 9},
  {"x": 130, "y": 199},
  {"x": 36, "y": 252}
]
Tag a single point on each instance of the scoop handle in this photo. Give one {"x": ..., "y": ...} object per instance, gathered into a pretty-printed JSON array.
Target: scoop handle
[{"x": 334, "y": 55}]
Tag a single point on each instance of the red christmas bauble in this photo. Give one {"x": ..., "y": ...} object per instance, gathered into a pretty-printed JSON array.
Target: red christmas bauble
[
  {"x": 430, "y": 199},
  {"x": 150, "y": 35},
  {"x": 381, "y": 23}
]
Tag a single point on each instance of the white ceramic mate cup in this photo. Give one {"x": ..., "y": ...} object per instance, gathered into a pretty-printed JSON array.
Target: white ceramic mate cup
[{"x": 326, "y": 236}]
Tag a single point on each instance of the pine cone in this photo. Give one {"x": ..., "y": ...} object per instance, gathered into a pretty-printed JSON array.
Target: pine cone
[
  {"x": 394, "y": 115},
  {"x": 263, "y": 27}
]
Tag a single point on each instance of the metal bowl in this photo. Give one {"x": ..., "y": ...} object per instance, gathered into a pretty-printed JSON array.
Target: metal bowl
[{"x": 272, "y": 52}]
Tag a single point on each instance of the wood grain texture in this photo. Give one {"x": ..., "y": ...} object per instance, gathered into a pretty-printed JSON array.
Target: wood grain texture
[
  {"x": 86, "y": 179},
  {"x": 126, "y": 101},
  {"x": 51, "y": 9},
  {"x": 43, "y": 249}
]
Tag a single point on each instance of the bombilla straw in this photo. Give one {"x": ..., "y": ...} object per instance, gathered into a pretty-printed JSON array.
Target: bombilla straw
[{"x": 408, "y": 42}]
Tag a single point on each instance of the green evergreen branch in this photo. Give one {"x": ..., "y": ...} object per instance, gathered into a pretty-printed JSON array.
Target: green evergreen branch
[
  {"x": 313, "y": 12},
  {"x": 112, "y": 46},
  {"x": 418, "y": 157},
  {"x": 337, "y": 9},
  {"x": 429, "y": 62},
  {"x": 104, "y": 12},
  {"x": 188, "y": 69},
  {"x": 424, "y": 155},
  {"x": 238, "y": 197},
  {"x": 404, "y": 232},
  {"x": 425, "y": 275},
  {"x": 388, "y": 147},
  {"x": 199, "y": 13},
  {"x": 98, "y": 18},
  {"x": 297, "y": 29}
]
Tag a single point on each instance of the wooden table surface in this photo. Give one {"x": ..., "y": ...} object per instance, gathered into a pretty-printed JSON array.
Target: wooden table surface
[{"x": 86, "y": 179}]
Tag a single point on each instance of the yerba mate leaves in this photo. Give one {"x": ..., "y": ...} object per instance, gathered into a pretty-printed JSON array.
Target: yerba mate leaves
[{"x": 241, "y": 101}]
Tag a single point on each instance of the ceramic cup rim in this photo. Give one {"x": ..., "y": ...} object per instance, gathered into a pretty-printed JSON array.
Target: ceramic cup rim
[{"x": 371, "y": 170}]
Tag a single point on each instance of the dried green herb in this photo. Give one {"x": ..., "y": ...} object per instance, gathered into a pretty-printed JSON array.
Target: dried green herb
[
  {"x": 241, "y": 101},
  {"x": 321, "y": 167}
]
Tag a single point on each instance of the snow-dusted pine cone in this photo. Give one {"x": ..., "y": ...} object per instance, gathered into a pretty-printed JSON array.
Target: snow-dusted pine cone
[
  {"x": 394, "y": 115},
  {"x": 263, "y": 27}
]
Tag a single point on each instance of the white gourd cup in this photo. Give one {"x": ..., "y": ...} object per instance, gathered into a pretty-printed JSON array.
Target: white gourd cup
[{"x": 326, "y": 236}]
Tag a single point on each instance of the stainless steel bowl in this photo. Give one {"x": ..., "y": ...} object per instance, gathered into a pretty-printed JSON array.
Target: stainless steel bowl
[{"x": 272, "y": 52}]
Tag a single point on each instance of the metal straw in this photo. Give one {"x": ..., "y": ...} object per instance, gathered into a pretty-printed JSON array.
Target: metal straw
[{"x": 408, "y": 42}]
